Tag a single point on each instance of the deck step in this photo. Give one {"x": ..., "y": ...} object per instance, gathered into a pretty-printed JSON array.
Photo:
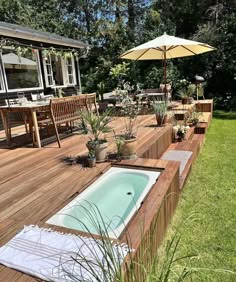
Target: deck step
[
  {"x": 189, "y": 135},
  {"x": 200, "y": 128}
]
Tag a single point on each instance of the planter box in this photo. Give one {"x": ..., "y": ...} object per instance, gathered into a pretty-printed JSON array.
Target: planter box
[{"x": 201, "y": 128}]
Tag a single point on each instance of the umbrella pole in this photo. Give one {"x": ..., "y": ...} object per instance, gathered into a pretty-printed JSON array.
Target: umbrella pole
[{"x": 165, "y": 73}]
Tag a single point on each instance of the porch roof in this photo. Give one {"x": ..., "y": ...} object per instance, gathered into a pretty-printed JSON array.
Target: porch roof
[{"x": 18, "y": 31}]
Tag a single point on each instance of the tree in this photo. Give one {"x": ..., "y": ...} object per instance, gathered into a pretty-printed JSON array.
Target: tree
[{"x": 114, "y": 26}]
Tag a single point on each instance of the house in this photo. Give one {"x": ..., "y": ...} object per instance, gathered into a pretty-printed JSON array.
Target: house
[{"x": 33, "y": 61}]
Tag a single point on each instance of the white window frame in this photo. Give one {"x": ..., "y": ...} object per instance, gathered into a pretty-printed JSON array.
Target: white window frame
[
  {"x": 46, "y": 75},
  {"x": 2, "y": 90},
  {"x": 24, "y": 89},
  {"x": 65, "y": 74},
  {"x": 73, "y": 71}
]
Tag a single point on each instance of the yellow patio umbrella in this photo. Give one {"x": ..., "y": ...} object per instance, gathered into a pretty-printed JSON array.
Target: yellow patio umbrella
[{"x": 166, "y": 47}]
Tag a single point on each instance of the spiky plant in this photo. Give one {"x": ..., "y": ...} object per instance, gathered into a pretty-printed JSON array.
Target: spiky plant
[{"x": 95, "y": 125}]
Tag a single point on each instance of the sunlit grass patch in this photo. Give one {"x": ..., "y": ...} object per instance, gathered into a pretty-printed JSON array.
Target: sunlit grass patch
[{"x": 210, "y": 196}]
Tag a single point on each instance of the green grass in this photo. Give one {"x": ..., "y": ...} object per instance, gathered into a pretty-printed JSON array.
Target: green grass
[{"x": 209, "y": 198}]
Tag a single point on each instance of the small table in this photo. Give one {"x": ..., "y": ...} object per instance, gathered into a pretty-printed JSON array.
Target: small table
[
  {"x": 151, "y": 95},
  {"x": 28, "y": 108},
  {"x": 156, "y": 95}
]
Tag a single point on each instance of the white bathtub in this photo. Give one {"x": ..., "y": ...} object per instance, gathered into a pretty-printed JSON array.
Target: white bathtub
[{"x": 117, "y": 194}]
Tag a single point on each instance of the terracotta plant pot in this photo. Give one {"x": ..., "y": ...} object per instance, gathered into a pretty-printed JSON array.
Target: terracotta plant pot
[
  {"x": 91, "y": 162},
  {"x": 102, "y": 106},
  {"x": 129, "y": 148},
  {"x": 160, "y": 120},
  {"x": 186, "y": 100},
  {"x": 100, "y": 150}
]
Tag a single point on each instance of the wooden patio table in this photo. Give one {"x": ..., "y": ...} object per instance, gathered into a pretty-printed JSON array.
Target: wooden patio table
[
  {"x": 152, "y": 95},
  {"x": 29, "y": 109}
]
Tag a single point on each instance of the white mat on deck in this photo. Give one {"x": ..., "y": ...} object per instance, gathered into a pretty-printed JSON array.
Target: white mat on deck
[
  {"x": 51, "y": 256},
  {"x": 178, "y": 155}
]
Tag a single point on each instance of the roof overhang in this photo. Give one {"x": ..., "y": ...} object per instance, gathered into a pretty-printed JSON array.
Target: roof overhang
[{"x": 21, "y": 32}]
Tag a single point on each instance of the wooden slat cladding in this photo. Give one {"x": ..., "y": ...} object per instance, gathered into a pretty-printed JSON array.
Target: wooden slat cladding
[
  {"x": 149, "y": 226},
  {"x": 157, "y": 145},
  {"x": 204, "y": 106}
]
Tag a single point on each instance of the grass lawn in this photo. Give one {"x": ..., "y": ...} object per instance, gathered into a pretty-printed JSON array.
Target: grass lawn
[{"x": 208, "y": 205}]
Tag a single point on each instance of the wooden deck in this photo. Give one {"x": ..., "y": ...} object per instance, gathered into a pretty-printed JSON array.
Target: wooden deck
[{"x": 36, "y": 183}]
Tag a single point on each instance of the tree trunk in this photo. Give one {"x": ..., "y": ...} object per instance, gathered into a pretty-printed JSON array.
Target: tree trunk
[
  {"x": 131, "y": 16},
  {"x": 87, "y": 17}
]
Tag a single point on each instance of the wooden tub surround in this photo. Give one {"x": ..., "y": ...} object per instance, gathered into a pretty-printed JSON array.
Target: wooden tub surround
[
  {"x": 147, "y": 228},
  {"x": 36, "y": 183},
  {"x": 152, "y": 218}
]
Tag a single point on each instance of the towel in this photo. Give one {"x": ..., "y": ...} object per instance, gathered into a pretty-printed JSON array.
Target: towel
[
  {"x": 178, "y": 155},
  {"x": 53, "y": 256}
]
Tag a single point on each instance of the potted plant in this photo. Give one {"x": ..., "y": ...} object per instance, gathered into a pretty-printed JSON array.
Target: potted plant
[
  {"x": 194, "y": 117},
  {"x": 119, "y": 140},
  {"x": 100, "y": 90},
  {"x": 96, "y": 125},
  {"x": 160, "y": 110},
  {"x": 186, "y": 93},
  {"x": 129, "y": 144},
  {"x": 91, "y": 158},
  {"x": 180, "y": 131}
]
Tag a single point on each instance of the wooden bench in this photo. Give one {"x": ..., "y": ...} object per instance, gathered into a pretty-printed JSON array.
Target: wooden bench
[{"x": 67, "y": 110}]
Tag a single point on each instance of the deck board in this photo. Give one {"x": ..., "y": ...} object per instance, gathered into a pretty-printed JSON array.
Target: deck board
[
  {"x": 30, "y": 175},
  {"x": 36, "y": 183},
  {"x": 8, "y": 274},
  {"x": 25, "y": 278}
]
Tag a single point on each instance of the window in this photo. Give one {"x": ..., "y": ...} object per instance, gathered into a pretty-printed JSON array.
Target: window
[
  {"x": 56, "y": 64},
  {"x": 70, "y": 69},
  {"x": 48, "y": 71},
  {"x": 21, "y": 71},
  {"x": 2, "y": 88},
  {"x": 59, "y": 71}
]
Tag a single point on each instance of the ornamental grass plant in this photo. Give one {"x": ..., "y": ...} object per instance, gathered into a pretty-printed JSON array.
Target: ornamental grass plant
[
  {"x": 115, "y": 267},
  {"x": 131, "y": 110}
]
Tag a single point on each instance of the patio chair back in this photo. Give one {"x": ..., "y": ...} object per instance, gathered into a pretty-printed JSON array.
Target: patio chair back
[
  {"x": 18, "y": 117},
  {"x": 64, "y": 110},
  {"x": 10, "y": 102},
  {"x": 156, "y": 90}
]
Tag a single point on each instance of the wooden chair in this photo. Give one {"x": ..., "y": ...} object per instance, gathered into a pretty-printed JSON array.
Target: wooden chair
[
  {"x": 168, "y": 91},
  {"x": 20, "y": 116}
]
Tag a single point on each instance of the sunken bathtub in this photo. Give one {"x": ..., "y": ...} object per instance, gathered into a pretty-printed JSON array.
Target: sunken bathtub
[{"x": 109, "y": 203}]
